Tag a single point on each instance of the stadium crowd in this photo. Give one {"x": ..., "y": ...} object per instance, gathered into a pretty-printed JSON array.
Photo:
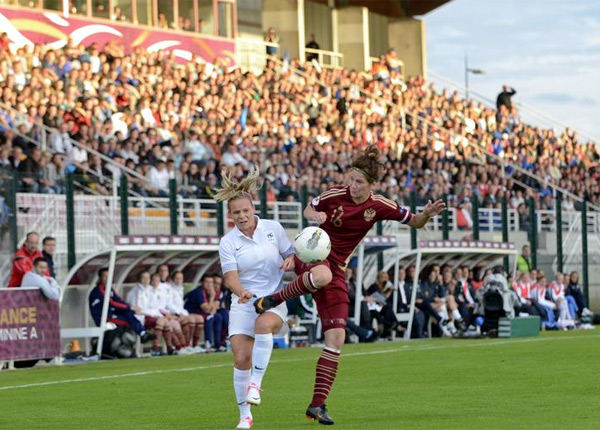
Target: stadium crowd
[{"x": 162, "y": 119}]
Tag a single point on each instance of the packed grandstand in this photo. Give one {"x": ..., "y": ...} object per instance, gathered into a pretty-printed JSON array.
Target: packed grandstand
[{"x": 298, "y": 122}]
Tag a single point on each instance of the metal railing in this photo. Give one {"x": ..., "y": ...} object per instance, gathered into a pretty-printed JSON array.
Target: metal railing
[
  {"x": 45, "y": 133},
  {"x": 253, "y": 53},
  {"x": 325, "y": 58}
]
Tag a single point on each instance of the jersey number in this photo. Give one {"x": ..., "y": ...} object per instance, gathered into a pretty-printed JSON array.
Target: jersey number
[{"x": 336, "y": 218}]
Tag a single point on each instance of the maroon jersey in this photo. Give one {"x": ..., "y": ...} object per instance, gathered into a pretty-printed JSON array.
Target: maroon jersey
[{"x": 347, "y": 222}]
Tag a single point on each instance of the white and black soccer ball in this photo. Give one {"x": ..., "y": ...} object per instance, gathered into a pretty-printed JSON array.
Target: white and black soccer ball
[{"x": 312, "y": 245}]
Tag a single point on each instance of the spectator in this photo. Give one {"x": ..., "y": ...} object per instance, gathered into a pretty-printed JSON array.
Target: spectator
[
  {"x": 30, "y": 172},
  {"x": 60, "y": 140},
  {"x": 37, "y": 278},
  {"x": 158, "y": 179},
  {"x": 312, "y": 44},
  {"x": 119, "y": 312},
  {"x": 232, "y": 157},
  {"x": 54, "y": 175},
  {"x": 48, "y": 248},
  {"x": 271, "y": 37},
  {"x": 24, "y": 258},
  {"x": 118, "y": 14},
  {"x": 504, "y": 98}
]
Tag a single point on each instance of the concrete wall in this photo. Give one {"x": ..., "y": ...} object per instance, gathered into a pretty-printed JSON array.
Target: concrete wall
[
  {"x": 317, "y": 21},
  {"x": 378, "y": 38},
  {"x": 283, "y": 16},
  {"x": 352, "y": 23},
  {"x": 408, "y": 37}
]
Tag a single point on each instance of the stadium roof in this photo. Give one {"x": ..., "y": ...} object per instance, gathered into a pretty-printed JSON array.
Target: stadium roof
[{"x": 392, "y": 8}]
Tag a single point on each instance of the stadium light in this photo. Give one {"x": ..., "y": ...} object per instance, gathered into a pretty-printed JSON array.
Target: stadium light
[{"x": 470, "y": 70}]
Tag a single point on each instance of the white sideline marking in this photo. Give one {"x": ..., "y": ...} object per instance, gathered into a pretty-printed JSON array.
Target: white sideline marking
[{"x": 403, "y": 348}]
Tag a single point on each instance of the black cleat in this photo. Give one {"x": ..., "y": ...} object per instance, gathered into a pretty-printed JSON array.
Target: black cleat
[
  {"x": 147, "y": 337},
  {"x": 264, "y": 304},
  {"x": 319, "y": 414}
]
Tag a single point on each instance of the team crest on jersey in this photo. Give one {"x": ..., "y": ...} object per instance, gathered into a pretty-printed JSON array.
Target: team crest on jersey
[
  {"x": 316, "y": 200},
  {"x": 270, "y": 237},
  {"x": 369, "y": 214}
]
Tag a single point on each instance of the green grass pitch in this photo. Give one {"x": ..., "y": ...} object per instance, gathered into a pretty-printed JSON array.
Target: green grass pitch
[{"x": 550, "y": 382}]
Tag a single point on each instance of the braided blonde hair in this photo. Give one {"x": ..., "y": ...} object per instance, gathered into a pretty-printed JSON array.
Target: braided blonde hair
[{"x": 236, "y": 190}]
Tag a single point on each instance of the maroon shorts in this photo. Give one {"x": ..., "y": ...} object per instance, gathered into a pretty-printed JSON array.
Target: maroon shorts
[
  {"x": 150, "y": 322},
  {"x": 332, "y": 300}
]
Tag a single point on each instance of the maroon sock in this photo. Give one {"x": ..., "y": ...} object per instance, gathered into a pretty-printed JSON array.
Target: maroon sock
[
  {"x": 298, "y": 287},
  {"x": 199, "y": 328},
  {"x": 325, "y": 376},
  {"x": 158, "y": 339}
]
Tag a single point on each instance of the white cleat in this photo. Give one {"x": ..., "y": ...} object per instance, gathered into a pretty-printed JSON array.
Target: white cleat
[
  {"x": 245, "y": 423},
  {"x": 253, "y": 396},
  {"x": 185, "y": 351},
  {"x": 198, "y": 350}
]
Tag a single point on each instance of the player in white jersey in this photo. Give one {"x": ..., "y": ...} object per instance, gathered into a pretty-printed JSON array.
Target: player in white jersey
[
  {"x": 254, "y": 256},
  {"x": 144, "y": 297},
  {"x": 160, "y": 297},
  {"x": 191, "y": 324}
]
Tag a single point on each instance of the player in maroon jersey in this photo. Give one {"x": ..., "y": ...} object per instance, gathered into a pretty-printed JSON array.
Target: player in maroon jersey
[{"x": 346, "y": 214}]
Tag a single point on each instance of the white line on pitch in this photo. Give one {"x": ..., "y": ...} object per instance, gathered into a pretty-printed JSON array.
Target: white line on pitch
[{"x": 403, "y": 348}]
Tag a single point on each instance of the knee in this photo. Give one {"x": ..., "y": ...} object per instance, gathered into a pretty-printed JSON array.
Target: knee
[
  {"x": 242, "y": 360},
  {"x": 321, "y": 276},
  {"x": 336, "y": 342},
  {"x": 263, "y": 327}
]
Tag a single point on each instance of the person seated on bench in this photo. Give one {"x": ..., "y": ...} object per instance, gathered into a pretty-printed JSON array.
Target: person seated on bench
[
  {"x": 119, "y": 312},
  {"x": 143, "y": 298},
  {"x": 191, "y": 324}
]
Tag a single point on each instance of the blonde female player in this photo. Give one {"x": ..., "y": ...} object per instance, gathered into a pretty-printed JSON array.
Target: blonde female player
[{"x": 254, "y": 256}]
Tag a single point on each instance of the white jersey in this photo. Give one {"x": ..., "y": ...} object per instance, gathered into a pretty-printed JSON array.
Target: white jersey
[
  {"x": 257, "y": 259},
  {"x": 175, "y": 305},
  {"x": 159, "y": 298},
  {"x": 137, "y": 297}
]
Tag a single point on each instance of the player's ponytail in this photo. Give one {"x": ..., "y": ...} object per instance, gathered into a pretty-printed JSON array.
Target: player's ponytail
[
  {"x": 232, "y": 190},
  {"x": 368, "y": 164}
]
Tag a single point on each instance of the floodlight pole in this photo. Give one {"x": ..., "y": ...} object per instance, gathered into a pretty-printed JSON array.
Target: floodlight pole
[{"x": 466, "y": 76}]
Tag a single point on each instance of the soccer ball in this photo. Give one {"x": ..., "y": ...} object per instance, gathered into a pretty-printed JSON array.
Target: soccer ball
[{"x": 312, "y": 245}]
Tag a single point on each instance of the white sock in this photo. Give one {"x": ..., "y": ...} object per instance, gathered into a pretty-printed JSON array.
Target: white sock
[
  {"x": 261, "y": 354},
  {"x": 443, "y": 313},
  {"x": 456, "y": 315},
  {"x": 240, "y": 384}
]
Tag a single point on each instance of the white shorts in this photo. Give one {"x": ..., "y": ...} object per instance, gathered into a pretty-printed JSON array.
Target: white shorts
[{"x": 242, "y": 318}]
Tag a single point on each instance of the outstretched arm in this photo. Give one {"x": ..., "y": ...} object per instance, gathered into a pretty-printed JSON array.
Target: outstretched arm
[
  {"x": 312, "y": 215},
  {"x": 431, "y": 209}
]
